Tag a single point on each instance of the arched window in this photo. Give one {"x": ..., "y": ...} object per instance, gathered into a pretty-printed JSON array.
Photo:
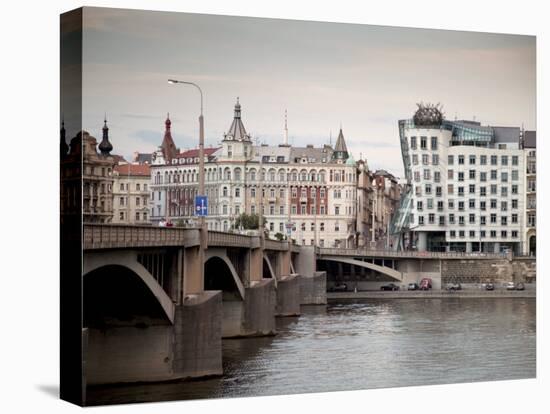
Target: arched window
[
  {"x": 237, "y": 173},
  {"x": 253, "y": 175},
  {"x": 224, "y": 192}
]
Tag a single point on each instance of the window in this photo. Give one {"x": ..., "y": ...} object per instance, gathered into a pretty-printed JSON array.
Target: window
[
  {"x": 137, "y": 216},
  {"x": 431, "y": 218},
  {"x": 482, "y": 205},
  {"x": 336, "y": 210},
  {"x": 460, "y": 176},
  {"x": 472, "y": 174},
  {"x": 460, "y": 191},
  {"x": 437, "y": 176},
  {"x": 514, "y": 234},
  {"x": 504, "y": 160},
  {"x": 450, "y": 174},
  {"x": 426, "y": 174},
  {"x": 472, "y": 188},
  {"x": 482, "y": 220},
  {"x": 461, "y": 220},
  {"x": 322, "y": 193},
  {"x": 413, "y": 143},
  {"x": 121, "y": 201},
  {"x": 425, "y": 159},
  {"x": 504, "y": 177},
  {"x": 302, "y": 209},
  {"x": 461, "y": 233},
  {"x": 434, "y": 143},
  {"x": 121, "y": 216},
  {"x": 493, "y": 203},
  {"x": 336, "y": 226},
  {"x": 450, "y": 160},
  {"x": 440, "y": 206},
  {"x": 503, "y": 206},
  {"x": 472, "y": 218},
  {"x": 461, "y": 159},
  {"x": 493, "y": 218},
  {"x": 430, "y": 202},
  {"x": 472, "y": 159},
  {"x": 237, "y": 192},
  {"x": 515, "y": 175},
  {"x": 461, "y": 205},
  {"x": 281, "y": 210},
  {"x": 419, "y": 205},
  {"x": 417, "y": 176},
  {"x": 482, "y": 234},
  {"x": 294, "y": 210},
  {"x": 418, "y": 190},
  {"x": 493, "y": 188},
  {"x": 482, "y": 191},
  {"x": 493, "y": 233},
  {"x": 503, "y": 221},
  {"x": 483, "y": 159},
  {"x": 472, "y": 233},
  {"x": 253, "y": 192},
  {"x": 515, "y": 160},
  {"x": 451, "y": 204},
  {"x": 503, "y": 234},
  {"x": 441, "y": 220},
  {"x": 472, "y": 203},
  {"x": 493, "y": 174},
  {"x": 438, "y": 191},
  {"x": 450, "y": 189},
  {"x": 423, "y": 143},
  {"x": 321, "y": 226},
  {"x": 312, "y": 227},
  {"x": 428, "y": 189},
  {"x": 435, "y": 159},
  {"x": 451, "y": 218},
  {"x": 514, "y": 218},
  {"x": 138, "y": 200},
  {"x": 452, "y": 233},
  {"x": 503, "y": 191},
  {"x": 493, "y": 160},
  {"x": 483, "y": 176}
]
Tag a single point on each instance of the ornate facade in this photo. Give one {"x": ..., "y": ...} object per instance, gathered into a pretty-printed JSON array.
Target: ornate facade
[{"x": 308, "y": 193}]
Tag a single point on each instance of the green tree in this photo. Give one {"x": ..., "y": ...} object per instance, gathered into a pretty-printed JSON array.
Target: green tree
[
  {"x": 248, "y": 221},
  {"x": 279, "y": 236}
]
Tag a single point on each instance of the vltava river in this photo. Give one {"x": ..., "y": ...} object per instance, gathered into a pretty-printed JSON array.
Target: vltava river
[{"x": 369, "y": 344}]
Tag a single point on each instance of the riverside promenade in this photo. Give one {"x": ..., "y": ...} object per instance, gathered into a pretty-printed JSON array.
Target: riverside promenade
[{"x": 432, "y": 294}]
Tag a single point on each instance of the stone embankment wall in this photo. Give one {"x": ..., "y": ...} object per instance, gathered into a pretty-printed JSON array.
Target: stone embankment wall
[{"x": 484, "y": 271}]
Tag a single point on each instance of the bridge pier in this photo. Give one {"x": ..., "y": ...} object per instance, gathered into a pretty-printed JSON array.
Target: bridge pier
[
  {"x": 313, "y": 284},
  {"x": 155, "y": 350}
]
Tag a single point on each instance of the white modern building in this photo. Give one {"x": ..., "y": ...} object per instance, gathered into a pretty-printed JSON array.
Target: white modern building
[
  {"x": 307, "y": 192},
  {"x": 530, "y": 219},
  {"x": 466, "y": 186}
]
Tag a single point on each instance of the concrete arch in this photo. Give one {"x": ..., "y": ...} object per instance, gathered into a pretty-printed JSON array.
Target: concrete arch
[
  {"x": 388, "y": 271},
  {"x": 128, "y": 259},
  {"x": 211, "y": 253}
]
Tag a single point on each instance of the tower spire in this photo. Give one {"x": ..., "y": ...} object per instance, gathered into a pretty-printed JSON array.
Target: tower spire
[
  {"x": 64, "y": 148},
  {"x": 105, "y": 146}
]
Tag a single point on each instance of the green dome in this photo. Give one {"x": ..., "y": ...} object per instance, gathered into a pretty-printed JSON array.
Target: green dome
[{"x": 350, "y": 161}]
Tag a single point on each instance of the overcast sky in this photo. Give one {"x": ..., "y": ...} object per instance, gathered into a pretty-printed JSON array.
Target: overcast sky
[{"x": 325, "y": 74}]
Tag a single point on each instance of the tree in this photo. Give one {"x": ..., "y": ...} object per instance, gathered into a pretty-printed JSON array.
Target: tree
[
  {"x": 248, "y": 221},
  {"x": 279, "y": 236}
]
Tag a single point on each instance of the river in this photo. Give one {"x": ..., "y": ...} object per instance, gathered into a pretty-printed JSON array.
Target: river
[{"x": 373, "y": 343}]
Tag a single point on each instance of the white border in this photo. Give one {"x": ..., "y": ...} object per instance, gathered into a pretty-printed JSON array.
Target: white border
[{"x": 29, "y": 208}]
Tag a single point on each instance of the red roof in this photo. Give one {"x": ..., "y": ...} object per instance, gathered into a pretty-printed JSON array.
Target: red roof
[
  {"x": 193, "y": 153},
  {"x": 133, "y": 169}
]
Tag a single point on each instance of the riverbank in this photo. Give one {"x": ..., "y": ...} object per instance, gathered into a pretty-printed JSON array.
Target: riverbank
[{"x": 418, "y": 294}]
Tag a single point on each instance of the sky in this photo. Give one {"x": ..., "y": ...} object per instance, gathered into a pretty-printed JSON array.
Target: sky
[{"x": 325, "y": 75}]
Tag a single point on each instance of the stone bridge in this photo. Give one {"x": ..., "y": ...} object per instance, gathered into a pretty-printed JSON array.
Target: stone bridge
[{"x": 169, "y": 298}]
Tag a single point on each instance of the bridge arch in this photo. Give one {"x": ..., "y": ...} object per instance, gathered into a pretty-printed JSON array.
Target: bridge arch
[
  {"x": 128, "y": 261},
  {"x": 213, "y": 258},
  {"x": 388, "y": 271},
  {"x": 268, "y": 269}
]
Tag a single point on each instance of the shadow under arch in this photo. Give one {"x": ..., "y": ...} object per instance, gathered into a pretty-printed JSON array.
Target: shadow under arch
[
  {"x": 220, "y": 274},
  {"x": 116, "y": 294}
]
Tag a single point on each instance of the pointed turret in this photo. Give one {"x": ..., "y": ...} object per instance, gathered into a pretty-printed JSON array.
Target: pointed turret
[
  {"x": 340, "y": 150},
  {"x": 236, "y": 131},
  {"x": 63, "y": 147},
  {"x": 105, "y": 146},
  {"x": 169, "y": 149}
]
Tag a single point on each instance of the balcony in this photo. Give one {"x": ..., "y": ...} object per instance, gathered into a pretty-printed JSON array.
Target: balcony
[{"x": 303, "y": 199}]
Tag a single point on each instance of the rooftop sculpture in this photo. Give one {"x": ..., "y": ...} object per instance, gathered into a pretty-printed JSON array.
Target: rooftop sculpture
[{"x": 428, "y": 114}]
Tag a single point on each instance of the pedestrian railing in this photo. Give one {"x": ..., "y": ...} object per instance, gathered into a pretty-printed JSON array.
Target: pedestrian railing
[{"x": 327, "y": 251}]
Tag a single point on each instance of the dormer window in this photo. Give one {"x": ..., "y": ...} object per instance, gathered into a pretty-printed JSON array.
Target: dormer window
[{"x": 174, "y": 161}]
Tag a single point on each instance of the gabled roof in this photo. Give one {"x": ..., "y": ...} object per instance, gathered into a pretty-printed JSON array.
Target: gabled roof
[
  {"x": 133, "y": 170},
  {"x": 193, "y": 153}
]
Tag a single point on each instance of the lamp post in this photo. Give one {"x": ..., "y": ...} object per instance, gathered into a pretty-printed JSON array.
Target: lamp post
[{"x": 201, "y": 155}]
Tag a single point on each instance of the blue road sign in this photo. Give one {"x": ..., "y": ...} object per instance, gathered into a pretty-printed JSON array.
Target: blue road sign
[{"x": 201, "y": 205}]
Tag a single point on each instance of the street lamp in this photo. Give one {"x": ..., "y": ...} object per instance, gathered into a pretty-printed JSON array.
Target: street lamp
[{"x": 201, "y": 153}]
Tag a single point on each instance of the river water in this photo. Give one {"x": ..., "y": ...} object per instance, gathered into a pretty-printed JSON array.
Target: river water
[{"x": 368, "y": 344}]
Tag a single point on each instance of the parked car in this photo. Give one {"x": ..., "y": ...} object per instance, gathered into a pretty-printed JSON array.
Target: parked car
[
  {"x": 489, "y": 286},
  {"x": 425, "y": 284},
  {"x": 453, "y": 286},
  {"x": 510, "y": 286},
  {"x": 520, "y": 286},
  {"x": 338, "y": 287},
  {"x": 390, "y": 286},
  {"x": 413, "y": 286}
]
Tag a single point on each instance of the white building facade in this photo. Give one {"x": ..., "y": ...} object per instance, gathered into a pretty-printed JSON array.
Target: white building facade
[
  {"x": 306, "y": 193},
  {"x": 131, "y": 194},
  {"x": 466, "y": 186}
]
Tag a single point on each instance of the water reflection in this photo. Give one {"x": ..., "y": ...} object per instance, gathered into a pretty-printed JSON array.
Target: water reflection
[{"x": 371, "y": 344}]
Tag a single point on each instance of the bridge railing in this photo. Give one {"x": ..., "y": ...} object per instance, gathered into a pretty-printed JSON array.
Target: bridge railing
[
  {"x": 326, "y": 251},
  {"x": 105, "y": 236},
  {"x": 276, "y": 245},
  {"x": 219, "y": 238}
]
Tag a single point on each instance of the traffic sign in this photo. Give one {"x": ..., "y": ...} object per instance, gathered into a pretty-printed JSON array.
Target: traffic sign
[{"x": 201, "y": 206}]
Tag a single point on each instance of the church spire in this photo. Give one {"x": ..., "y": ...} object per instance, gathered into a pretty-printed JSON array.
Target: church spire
[
  {"x": 340, "y": 149},
  {"x": 169, "y": 150},
  {"x": 105, "y": 146},
  {"x": 63, "y": 147},
  {"x": 285, "y": 142}
]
